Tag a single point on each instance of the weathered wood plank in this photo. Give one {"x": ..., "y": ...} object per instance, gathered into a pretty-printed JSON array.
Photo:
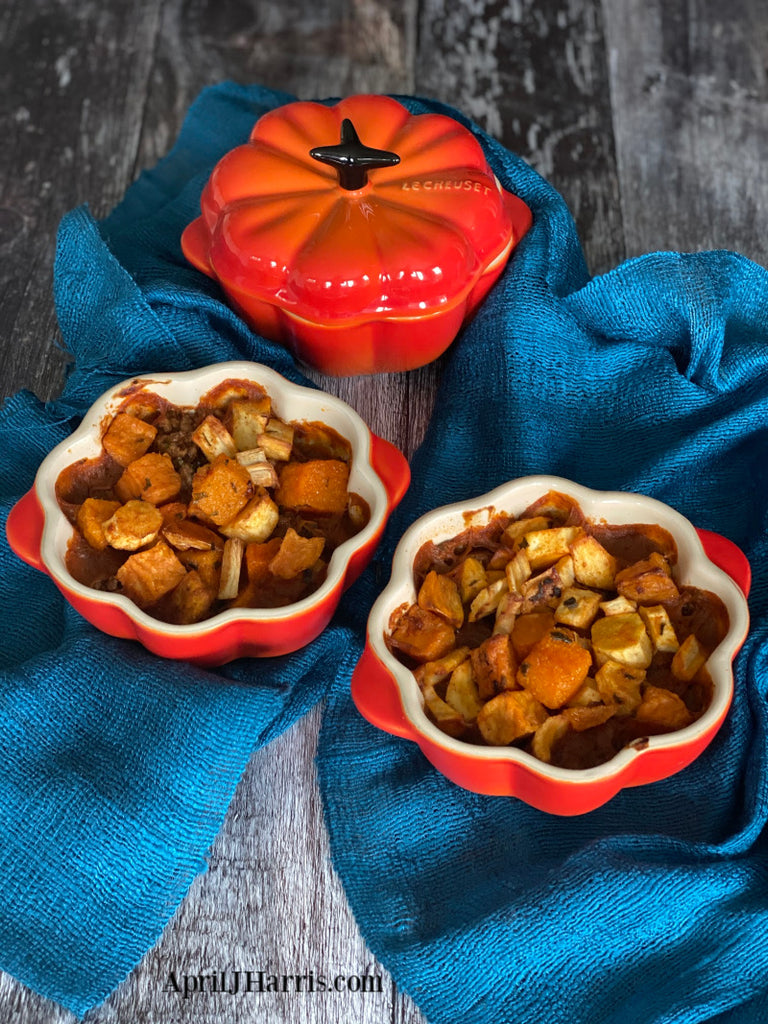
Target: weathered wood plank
[{"x": 690, "y": 98}]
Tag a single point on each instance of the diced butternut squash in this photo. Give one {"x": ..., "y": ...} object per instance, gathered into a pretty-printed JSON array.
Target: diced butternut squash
[
  {"x": 206, "y": 563},
  {"x": 256, "y": 522},
  {"x": 555, "y": 668},
  {"x": 133, "y": 526},
  {"x": 318, "y": 486},
  {"x": 593, "y": 566},
  {"x": 529, "y": 629},
  {"x": 421, "y": 634},
  {"x": 150, "y": 478},
  {"x": 220, "y": 490},
  {"x": 648, "y": 581},
  {"x": 149, "y": 575},
  {"x": 127, "y": 438},
  {"x": 494, "y": 666},
  {"x": 622, "y": 638},
  {"x": 91, "y": 516},
  {"x": 470, "y": 578},
  {"x": 191, "y": 600},
  {"x": 438, "y": 593},
  {"x": 663, "y": 709},
  {"x": 510, "y": 716},
  {"x": 295, "y": 555},
  {"x": 258, "y": 557}
]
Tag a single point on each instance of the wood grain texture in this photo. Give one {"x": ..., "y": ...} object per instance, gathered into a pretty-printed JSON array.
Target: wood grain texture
[{"x": 648, "y": 115}]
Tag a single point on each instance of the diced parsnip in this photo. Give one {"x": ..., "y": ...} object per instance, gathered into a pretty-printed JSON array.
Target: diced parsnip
[
  {"x": 127, "y": 438},
  {"x": 133, "y": 526},
  {"x": 191, "y": 600},
  {"x": 150, "y": 478},
  {"x": 510, "y": 716},
  {"x": 185, "y": 534},
  {"x": 690, "y": 657},
  {"x": 545, "y": 547},
  {"x": 593, "y": 566},
  {"x": 462, "y": 693},
  {"x": 318, "y": 486},
  {"x": 230, "y": 391},
  {"x": 555, "y": 668},
  {"x": 529, "y": 629},
  {"x": 213, "y": 439},
  {"x": 506, "y": 613},
  {"x": 260, "y": 469},
  {"x": 277, "y": 440},
  {"x": 663, "y": 709},
  {"x": 547, "y": 588},
  {"x": 622, "y": 638},
  {"x": 586, "y": 695},
  {"x": 433, "y": 672},
  {"x": 618, "y": 606},
  {"x": 620, "y": 686},
  {"x": 438, "y": 593},
  {"x": 248, "y": 418},
  {"x": 578, "y": 607},
  {"x": 420, "y": 634},
  {"x": 554, "y": 506},
  {"x": 494, "y": 666},
  {"x": 547, "y": 735},
  {"x": 220, "y": 490},
  {"x": 470, "y": 578},
  {"x": 206, "y": 563},
  {"x": 358, "y": 511},
  {"x": 581, "y": 719},
  {"x": 446, "y": 718},
  {"x": 488, "y": 600},
  {"x": 648, "y": 581},
  {"x": 231, "y": 563},
  {"x": 518, "y": 572},
  {"x": 518, "y": 529},
  {"x": 255, "y": 523},
  {"x": 149, "y": 575},
  {"x": 295, "y": 555},
  {"x": 91, "y": 516},
  {"x": 659, "y": 627}
]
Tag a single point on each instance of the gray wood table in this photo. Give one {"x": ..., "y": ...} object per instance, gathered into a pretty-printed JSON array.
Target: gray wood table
[{"x": 649, "y": 116}]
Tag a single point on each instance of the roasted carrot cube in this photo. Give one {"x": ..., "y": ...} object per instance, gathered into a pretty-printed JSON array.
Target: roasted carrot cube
[
  {"x": 295, "y": 555},
  {"x": 191, "y": 600},
  {"x": 206, "y": 563},
  {"x": 172, "y": 512},
  {"x": 510, "y": 716},
  {"x": 127, "y": 438},
  {"x": 529, "y": 629},
  {"x": 438, "y": 593},
  {"x": 91, "y": 516},
  {"x": 220, "y": 490},
  {"x": 318, "y": 486},
  {"x": 258, "y": 557},
  {"x": 151, "y": 478},
  {"x": 421, "y": 635},
  {"x": 494, "y": 666},
  {"x": 149, "y": 575},
  {"x": 555, "y": 668},
  {"x": 133, "y": 526}
]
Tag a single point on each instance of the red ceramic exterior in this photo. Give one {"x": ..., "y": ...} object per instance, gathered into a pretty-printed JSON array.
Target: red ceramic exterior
[
  {"x": 217, "y": 643},
  {"x": 378, "y": 278},
  {"x": 376, "y": 695}
]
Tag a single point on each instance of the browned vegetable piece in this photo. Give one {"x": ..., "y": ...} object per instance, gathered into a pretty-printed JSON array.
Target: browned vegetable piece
[
  {"x": 529, "y": 629},
  {"x": 206, "y": 563},
  {"x": 149, "y": 575},
  {"x": 185, "y": 533},
  {"x": 547, "y": 735},
  {"x": 438, "y": 593},
  {"x": 91, "y": 516},
  {"x": 295, "y": 555},
  {"x": 317, "y": 440},
  {"x": 318, "y": 486},
  {"x": 593, "y": 566},
  {"x": 509, "y": 716},
  {"x": 446, "y": 717},
  {"x": 433, "y": 672},
  {"x": 663, "y": 709},
  {"x": 133, "y": 526},
  {"x": 231, "y": 564},
  {"x": 191, "y": 600},
  {"x": 545, "y": 547},
  {"x": 581, "y": 719},
  {"x": 494, "y": 666},
  {"x": 619, "y": 686},
  {"x": 648, "y": 581},
  {"x": 258, "y": 557},
  {"x": 689, "y": 658},
  {"x": 470, "y": 578},
  {"x": 213, "y": 439},
  {"x": 255, "y": 523},
  {"x": 420, "y": 634},
  {"x": 247, "y": 420},
  {"x": 151, "y": 478},
  {"x": 560, "y": 508},
  {"x": 555, "y": 668},
  {"x": 622, "y": 638},
  {"x": 127, "y": 438},
  {"x": 220, "y": 490},
  {"x": 172, "y": 512}
]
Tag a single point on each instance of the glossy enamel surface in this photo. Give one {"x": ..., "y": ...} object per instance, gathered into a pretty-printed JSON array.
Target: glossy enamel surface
[
  {"x": 39, "y": 532},
  {"x": 386, "y": 693}
]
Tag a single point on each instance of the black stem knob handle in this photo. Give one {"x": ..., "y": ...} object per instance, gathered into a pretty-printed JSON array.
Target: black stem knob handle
[{"x": 352, "y": 159}]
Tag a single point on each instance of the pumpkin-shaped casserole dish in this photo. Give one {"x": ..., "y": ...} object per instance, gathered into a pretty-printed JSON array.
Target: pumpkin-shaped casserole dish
[{"x": 358, "y": 235}]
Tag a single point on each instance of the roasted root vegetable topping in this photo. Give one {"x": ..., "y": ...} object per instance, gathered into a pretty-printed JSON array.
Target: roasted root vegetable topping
[
  {"x": 190, "y": 511},
  {"x": 567, "y": 638}
]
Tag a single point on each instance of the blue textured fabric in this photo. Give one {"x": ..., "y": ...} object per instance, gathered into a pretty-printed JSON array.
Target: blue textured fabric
[{"x": 118, "y": 767}]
